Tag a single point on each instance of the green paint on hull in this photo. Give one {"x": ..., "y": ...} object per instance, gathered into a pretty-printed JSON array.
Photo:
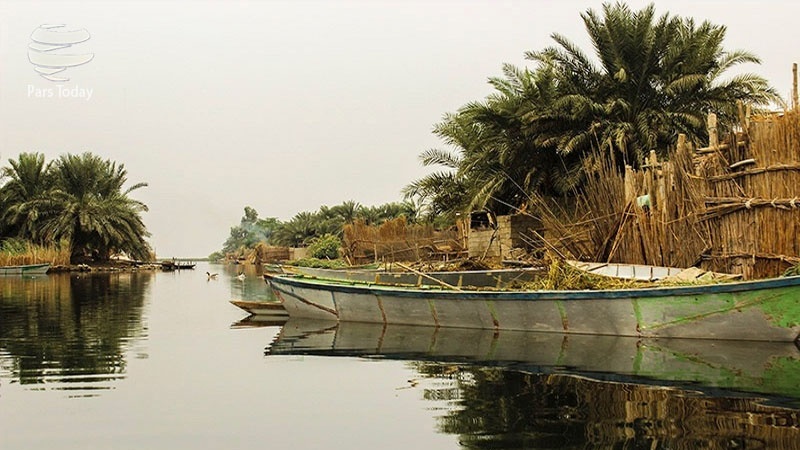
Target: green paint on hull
[
  {"x": 783, "y": 309},
  {"x": 563, "y": 312}
]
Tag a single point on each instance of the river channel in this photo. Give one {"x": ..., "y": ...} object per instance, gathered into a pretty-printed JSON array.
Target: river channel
[{"x": 162, "y": 360}]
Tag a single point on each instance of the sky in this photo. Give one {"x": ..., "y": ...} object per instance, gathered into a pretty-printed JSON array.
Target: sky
[{"x": 285, "y": 106}]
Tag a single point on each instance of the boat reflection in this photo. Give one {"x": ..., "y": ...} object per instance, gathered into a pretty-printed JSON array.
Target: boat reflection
[
  {"x": 770, "y": 368},
  {"x": 538, "y": 390}
]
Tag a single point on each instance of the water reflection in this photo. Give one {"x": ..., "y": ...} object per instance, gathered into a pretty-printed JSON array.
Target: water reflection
[
  {"x": 70, "y": 331},
  {"x": 252, "y": 287},
  {"x": 534, "y": 390}
]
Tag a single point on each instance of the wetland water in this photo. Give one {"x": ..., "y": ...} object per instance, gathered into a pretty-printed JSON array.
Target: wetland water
[{"x": 161, "y": 360}]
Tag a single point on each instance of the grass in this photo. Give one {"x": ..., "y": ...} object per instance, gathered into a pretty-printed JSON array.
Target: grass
[{"x": 15, "y": 252}]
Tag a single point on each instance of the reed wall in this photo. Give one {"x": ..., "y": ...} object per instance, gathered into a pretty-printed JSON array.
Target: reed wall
[{"x": 731, "y": 206}]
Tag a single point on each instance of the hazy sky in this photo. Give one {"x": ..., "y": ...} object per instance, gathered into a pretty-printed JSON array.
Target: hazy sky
[{"x": 285, "y": 106}]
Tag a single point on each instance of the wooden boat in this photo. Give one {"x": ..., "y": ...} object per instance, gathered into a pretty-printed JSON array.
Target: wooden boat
[
  {"x": 498, "y": 278},
  {"x": 626, "y": 271},
  {"x": 177, "y": 265},
  {"x": 27, "y": 269},
  {"x": 697, "y": 364},
  {"x": 762, "y": 310},
  {"x": 263, "y": 308}
]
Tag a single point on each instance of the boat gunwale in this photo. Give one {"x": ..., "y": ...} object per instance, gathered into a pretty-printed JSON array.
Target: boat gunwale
[{"x": 348, "y": 286}]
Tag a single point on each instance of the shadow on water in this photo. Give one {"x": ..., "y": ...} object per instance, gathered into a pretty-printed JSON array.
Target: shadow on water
[
  {"x": 539, "y": 390},
  {"x": 70, "y": 331}
]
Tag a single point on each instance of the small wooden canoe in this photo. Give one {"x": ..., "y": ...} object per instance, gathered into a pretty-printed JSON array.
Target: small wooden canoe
[
  {"x": 28, "y": 269},
  {"x": 639, "y": 272}
]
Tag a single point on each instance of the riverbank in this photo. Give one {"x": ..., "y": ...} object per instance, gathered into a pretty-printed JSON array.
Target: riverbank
[{"x": 104, "y": 267}]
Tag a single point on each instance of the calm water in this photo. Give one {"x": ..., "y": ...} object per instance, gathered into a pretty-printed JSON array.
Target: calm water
[{"x": 159, "y": 360}]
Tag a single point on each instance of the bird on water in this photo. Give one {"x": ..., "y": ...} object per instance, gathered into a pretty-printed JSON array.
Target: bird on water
[
  {"x": 240, "y": 277},
  {"x": 211, "y": 276}
]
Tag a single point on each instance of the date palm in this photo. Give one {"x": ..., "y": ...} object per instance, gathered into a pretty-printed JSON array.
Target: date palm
[
  {"x": 23, "y": 195},
  {"x": 497, "y": 155},
  {"x": 90, "y": 208},
  {"x": 655, "y": 77}
]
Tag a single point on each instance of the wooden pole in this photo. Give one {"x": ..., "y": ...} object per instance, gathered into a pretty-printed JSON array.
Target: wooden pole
[
  {"x": 425, "y": 275},
  {"x": 713, "y": 137},
  {"x": 794, "y": 86}
]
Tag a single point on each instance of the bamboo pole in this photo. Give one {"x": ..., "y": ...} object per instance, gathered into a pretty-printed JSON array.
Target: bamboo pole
[{"x": 425, "y": 275}]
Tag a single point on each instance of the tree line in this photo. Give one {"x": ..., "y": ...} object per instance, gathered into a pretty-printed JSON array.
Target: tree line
[
  {"x": 308, "y": 226},
  {"x": 80, "y": 201}
]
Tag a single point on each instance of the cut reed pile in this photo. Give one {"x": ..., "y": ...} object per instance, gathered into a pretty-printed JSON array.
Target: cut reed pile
[
  {"x": 396, "y": 240},
  {"x": 562, "y": 276}
]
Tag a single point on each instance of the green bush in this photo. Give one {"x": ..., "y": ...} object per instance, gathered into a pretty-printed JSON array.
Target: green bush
[{"x": 325, "y": 247}]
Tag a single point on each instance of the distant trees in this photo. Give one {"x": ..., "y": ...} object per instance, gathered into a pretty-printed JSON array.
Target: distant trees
[
  {"x": 78, "y": 199},
  {"x": 306, "y": 228},
  {"x": 650, "y": 79}
]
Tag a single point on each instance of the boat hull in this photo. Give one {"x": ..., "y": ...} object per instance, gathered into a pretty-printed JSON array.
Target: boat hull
[
  {"x": 767, "y": 310},
  {"x": 28, "y": 269}
]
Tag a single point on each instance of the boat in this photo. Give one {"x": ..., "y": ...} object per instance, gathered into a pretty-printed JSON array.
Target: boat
[
  {"x": 498, "y": 278},
  {"x": 639, "y": 272},
  {"x": 695, "y": 364},
  {"x": 26, "y": 269},
  {"x": 761, "y": 310},
  {"x": 177, "y": 265},
  {"x": 642, "y": 272},
  {"x": 262, "y": 308}
]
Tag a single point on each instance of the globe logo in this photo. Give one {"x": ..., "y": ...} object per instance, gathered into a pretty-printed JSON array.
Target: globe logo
[{"x": 47, "y": 50}]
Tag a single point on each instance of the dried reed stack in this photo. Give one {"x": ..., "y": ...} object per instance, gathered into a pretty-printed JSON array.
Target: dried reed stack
[
  {"x": 395, "y": 240},
  {"x": 608, "y": 223}
]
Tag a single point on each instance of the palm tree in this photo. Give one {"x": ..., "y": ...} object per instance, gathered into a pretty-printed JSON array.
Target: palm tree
[
  {"x": 89, "y": 208},
  {"x": 297, "y": 232},
  {"x": 656, "y": 78},
  {"x": 23, "y": 196},
  {"x": 499, "y": 154}
]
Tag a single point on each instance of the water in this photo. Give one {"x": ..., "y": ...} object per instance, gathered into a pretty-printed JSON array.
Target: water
[{"x": 162, "y": 360}]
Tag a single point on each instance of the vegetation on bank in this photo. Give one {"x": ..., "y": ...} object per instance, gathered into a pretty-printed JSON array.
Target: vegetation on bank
[
  {"x": 320, "y": 231},
  {"x": 17, "y": 252},
  {"x": 78, "y": 201},
  {"x": 648, "y": 78}
]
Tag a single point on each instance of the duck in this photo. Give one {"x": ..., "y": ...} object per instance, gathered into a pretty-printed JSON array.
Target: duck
[
  {"x": 211, "y": 276},
  {"x": 240, "y": 277}
]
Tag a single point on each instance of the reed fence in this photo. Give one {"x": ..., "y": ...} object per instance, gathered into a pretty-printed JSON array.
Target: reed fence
[{"x": 731, "y": 206}]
